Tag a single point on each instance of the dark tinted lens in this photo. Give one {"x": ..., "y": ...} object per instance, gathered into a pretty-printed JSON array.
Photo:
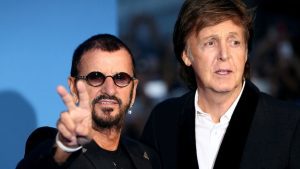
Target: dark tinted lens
[
  {"x": 95, "y": 78},
  {"x": 122, "y": 79}
]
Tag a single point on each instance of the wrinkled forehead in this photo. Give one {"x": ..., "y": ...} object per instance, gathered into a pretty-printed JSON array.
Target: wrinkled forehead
[
  {"x": 205, "y": 22},
  {"x": 235, "y": 26}
]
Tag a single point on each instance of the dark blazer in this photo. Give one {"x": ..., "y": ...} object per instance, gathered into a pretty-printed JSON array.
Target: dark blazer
[
  {"x": 263, "y": 133},
  {"x": 39, "y": 153}
]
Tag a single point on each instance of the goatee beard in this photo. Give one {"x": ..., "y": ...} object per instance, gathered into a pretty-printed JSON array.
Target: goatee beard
[{"x": 108, "y": 122}]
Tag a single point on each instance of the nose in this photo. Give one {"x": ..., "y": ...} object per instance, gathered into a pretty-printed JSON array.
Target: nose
[
  {"x": 223, "y": 52},
  {"x": 108, "y": 87}
]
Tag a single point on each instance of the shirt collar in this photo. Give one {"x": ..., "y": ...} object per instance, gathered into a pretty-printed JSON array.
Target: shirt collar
[{"x": 228, "y": 113}]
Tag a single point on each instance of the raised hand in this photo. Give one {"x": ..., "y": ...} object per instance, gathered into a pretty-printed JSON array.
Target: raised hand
[{"x": 74, "y": 125}]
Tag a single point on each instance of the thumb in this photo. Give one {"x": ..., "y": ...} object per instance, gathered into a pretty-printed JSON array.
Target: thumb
[{"x": 83, "y": 134}]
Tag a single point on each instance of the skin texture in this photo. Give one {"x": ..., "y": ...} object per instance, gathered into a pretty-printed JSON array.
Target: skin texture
[
  {"x": 77, "y": 120},
  {"x": 217, "y": 55}
]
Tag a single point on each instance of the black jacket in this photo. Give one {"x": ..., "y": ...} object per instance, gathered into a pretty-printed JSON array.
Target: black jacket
[
  {"x": 263, "y": 133},
  {"x": 39, "y": 153}
]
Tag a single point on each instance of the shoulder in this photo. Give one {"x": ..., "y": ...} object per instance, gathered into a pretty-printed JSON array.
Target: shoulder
[
  {"x": 175, "y": 102},
  {"x": 268, "y": 103},
  {"x": 38, "y": 136},
  {"x": 279, "y": 112},
  {"x": 276, "y": 105},
  {"x": 135, "y": 145},
  {"x": 38, "y": 150},
  {"x": 165, "y": 116}
]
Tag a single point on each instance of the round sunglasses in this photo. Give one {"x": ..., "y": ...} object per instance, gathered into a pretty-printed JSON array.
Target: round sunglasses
[{"x": 96, "y": 79}]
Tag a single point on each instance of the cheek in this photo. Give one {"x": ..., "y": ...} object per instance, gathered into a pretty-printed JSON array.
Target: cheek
[
  {"x": 241, "y": 62},
  {"x": 126, "y": 96},
  {"x": 91, "y": 93},
  {"x": 203, "y": 64},
  {"x": 239, "y": 59},
  {"x": 240, "y": 66}
]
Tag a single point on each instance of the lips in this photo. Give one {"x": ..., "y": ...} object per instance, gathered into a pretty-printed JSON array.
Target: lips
[
  {"x": 107, "y": 101},
  {"x": 106, "y": 106},
  {"x": 223, "y": 71}
]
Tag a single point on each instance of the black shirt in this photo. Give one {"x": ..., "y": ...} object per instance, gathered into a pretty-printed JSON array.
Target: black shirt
[
  {"x": 103, "y": 159},
  {"x": 118, "y": 159}
]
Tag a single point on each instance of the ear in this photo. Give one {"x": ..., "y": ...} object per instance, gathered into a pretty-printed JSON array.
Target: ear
[
  {"x": 246, "y": 55},
  {"x": 135, "y": 84},
  {"x": 73, "y": 89},
  {"x": 186, "y": 58}
]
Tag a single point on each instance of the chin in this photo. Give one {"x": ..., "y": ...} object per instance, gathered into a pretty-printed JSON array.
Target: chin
[
  {"x": 107, "y": 115},
  {"x": 226, "y": 87},
  {"x": 222, "y": 90},
  {"x": 107, "y": 121}
]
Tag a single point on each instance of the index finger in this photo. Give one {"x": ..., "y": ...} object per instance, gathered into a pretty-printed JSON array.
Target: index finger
[{"x": 66, "y": 97}]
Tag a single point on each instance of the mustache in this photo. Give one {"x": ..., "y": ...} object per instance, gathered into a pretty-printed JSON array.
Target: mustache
[{"x": 107, "y": 97}]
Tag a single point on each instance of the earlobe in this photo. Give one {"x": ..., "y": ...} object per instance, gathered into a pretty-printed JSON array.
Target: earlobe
[
  {"x": 73, "y": 89},
  {"x": 72, "y": 84},
  {"x": 135, "y": 84},
  {"x": 246, "y": 55}
]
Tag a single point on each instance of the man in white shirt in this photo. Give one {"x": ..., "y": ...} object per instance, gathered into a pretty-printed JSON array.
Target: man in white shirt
[{"x": 224, "y": 122}]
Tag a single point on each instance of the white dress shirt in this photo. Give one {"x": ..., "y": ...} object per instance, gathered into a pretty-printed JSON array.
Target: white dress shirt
[{"x": 209, "y": 135}]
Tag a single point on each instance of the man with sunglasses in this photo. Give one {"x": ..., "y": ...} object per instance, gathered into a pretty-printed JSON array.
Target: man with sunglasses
[{"x": 88, "y": 135}]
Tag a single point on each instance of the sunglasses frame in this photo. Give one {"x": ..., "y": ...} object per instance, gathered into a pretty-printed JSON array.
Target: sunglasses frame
[{"x": 105, "y": 76}]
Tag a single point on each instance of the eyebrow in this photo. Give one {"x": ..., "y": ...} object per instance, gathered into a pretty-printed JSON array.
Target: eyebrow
[
  {"x": 201, "y": 40},
  {"x": 233, "y": 33},
  {"x": 216, "y": 36}
]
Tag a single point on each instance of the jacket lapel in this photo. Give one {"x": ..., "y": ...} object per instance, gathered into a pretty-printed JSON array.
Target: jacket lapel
[
  {"x": 187, "y": 157},
  {"x": 232, "y": 146},
  {"x": 91, "y": 152},
  {"x": 139, "y": 158}
]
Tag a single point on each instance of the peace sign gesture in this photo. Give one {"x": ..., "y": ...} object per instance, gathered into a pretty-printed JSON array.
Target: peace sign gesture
[{"x": 74, "y": 125}]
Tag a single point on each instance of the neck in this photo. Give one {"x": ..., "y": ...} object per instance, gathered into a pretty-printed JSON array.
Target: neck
[
  {"x": 217, "y": 103},
  {"x": 107, "y": 139}
]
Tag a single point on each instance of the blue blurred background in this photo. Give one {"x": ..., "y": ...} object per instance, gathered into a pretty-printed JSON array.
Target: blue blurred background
[{"x": 37, "y": 40}]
